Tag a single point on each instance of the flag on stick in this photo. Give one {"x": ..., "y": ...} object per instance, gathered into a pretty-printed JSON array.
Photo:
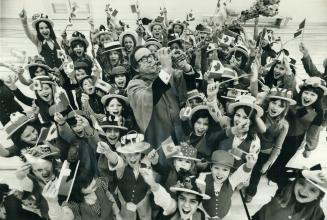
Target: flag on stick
[{"x": 300, "y": 30}]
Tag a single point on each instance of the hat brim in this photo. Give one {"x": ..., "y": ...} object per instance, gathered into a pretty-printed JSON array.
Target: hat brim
[
  {"x": 112, "y": 49},
  {"x": 78, "y": 39},
  {"x": 146, "y": 44},
  {"x": 132, "y": 148},
  {"x": 187, "y": 158},
  {"x": 17, "y": 128},
  {"x": 51, "y": 155},
  {"x": 99, "y": 33},
  {"x": 41, "y": 19},
  {"x": 220, "y": 163},
  {"x": 27, "y": 67},
  {"x": 110, "y": 96},
  {"x": 323, "y": 88},
  {"x": 122, "y": 35},
  {"x": 198, "y": 108},
  {"x": 179, "y": 189},
  {"x": 289, "y": 100},
  {"x": 114, "y": 126},
  {"x": 150, "y": 26},
  {"x": 317, "y": 185},
  {"x": 258, "y": 109}
]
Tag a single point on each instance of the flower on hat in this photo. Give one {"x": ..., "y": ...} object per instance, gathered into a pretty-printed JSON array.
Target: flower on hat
[
  {"x": 283, "y": 94},
  {"x": 316, "y": 82}
]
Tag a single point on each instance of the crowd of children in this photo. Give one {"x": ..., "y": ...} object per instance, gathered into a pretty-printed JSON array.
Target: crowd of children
[{"x": 161, "y": 122}]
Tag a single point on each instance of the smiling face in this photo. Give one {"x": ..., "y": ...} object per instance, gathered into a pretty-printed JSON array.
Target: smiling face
[
  {"x": 79, "y": 50},
  {"x": 235, "y": 61},
  {"x": 308, "y": 98},
  {"x": 195, "y": 102},
  {"x": 105, "y": 38},
  {"x": 201, "y": 126},
  {"x": 241, "y": 118},
  {"x": 88, "y": 86},
  {"x": 114, "y": 58},
  {"x": 90, "y": 188},
  {"x": 79, "y": 74},
  {"x": 156, "y": 31},
  {"x": 279, "y": 71},
  {"x": 146, "y": 66},
  {"x": 120, "y": 81},
  {"x": 29, "y": 135},
  {"x": 45, "y": 93},
  {"x": 181, "y": 163},
  {"x": 43, "y": 170},
  {"x": 220, "y": 173},
  {"x": 40, "y": 71},
  {"x": 178, "y": 29},
  {"x": 114, "y": 107},
  {"x": 305, "y": 191},
  {"x": 133, "y": 159},
  {"x": 113, "y": 135},
  {"x": 187, "y": 204},
  {"x": 276, "y": 108},
  {"x": 44, "y": 30},
  {"x": 128, "y": 43}
]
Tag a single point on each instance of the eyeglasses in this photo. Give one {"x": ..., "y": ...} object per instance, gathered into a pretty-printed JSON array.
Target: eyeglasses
[{"x": 146, "y": 59}]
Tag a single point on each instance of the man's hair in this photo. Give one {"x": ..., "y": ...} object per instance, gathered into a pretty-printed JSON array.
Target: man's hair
[{"x": 133, "y": 62}]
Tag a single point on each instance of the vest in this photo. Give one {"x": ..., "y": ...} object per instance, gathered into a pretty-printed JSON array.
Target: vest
[
  {"x": 133, "y": 190},
  {"x": 51, "y": 56},
  {"x": 244, "y": 146},
  {"x": 217, "y": 205}
]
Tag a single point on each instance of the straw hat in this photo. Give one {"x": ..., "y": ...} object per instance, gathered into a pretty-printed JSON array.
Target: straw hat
[
  {"x": 37, "y": 61},
  {"x": 113, "y": 123},
  {"x": 283, "y": 94},
  {"x": 233, "y": 93},
  {"x": 17, "y": 120},
  {"x": 152, "y": 41},
  {"x": 246, "y": 100},
  {"x": 78, "y": 36},
  {"x": 189, "y": 186},
  {"x": 36, "y": 18},
  {"x": 133, "y": 143},
  {"x": 111, "y": 46}
]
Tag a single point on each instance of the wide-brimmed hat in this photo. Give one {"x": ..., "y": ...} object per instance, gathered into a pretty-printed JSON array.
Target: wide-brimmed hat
[
  {"x": 39, "y": 80},
  {"x": 315, "y": 82},
  {"x": 113, "y": 122},
  {"x": 36, "y": 18},
  {"x": 246, "y": 100},
  {"x": 152, "y": 41},
  {"x": 133, "y": 143},
  {"x": 37, "y": 61},
  {"x": 78, "y": 36},
  {"x": 118, "y": 70},
  {"x": 114, "y": 93},
  {"x": 187, "y": 152},
  {"x": 127, "y": 32},
  {"x": 283, "y": 94},
  {"x": 222, "y": 157},
  {"x": 199, "y": 108},
  {"x": 17, "y": 120},
  {"x": 111, "y": 46},
  {"x": 43, "y": 152},
  {"x": 195, "y": 94},
  {"x": 313, "y": 176},
  {"x": 102, "y": 30},
  {"x": 189, "y": 185},
  {"x": 154, "y": 23},
  {"x": 233, "y": 93}
]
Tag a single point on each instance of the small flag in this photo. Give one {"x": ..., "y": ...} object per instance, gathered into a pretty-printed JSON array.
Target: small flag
[
  {"x": 114, "y": 13},
  {"x": 297, "y": 33},
  {"x": 52, "y": 134},
  {"x": 190, "y": 17},
  {"x": 216, "y": 69},
  {"x": 302, "y": 24},
  {"x": 169, "y": 148},
  {"x": 227, "y": 40},
  {"x": 160, "y": 19},
  {"x": 133, "y": 8},
  {"x": 42, "y": 136}
]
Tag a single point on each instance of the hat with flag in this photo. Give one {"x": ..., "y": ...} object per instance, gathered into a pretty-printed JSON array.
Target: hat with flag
[
  {"x": 226, "y": 40},
  {"x": 283, "y": 94},
  {"x": 38, "y": 17},
  {"x": 113, "y": 122},
  {"x": 37, "y": 60},
  {"x": 195, "y": 94},
  {"x": 315, "y": 82},
  {"x": 216, "y": 69},
  {"x": 17, "y": 120},
  {"x": 78, "y": 37},
  {"x": 246, "y": 100},
  {"x": 169, "y": 148},
  {"x": 133, "y": 142},
  {"x": 186, "y": 152}
]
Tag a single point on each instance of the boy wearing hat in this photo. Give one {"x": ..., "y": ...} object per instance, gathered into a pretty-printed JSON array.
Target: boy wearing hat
[
  {"x": 119, "y": 78},
  {"x": 220, "y": 183}
]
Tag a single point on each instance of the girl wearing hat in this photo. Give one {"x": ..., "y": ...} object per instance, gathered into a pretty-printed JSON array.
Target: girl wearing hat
[
  {"x": 276, "y": 103},
  {"x": 128, "y": 40},
  {"x": 119, "y": 78},
  {"x": 45, "y": 38},
  {"x": 220, "y": 183},
  {"x": 153, "y": 45},
  {"x": 298, "y": 200},
  {"x": 238, "y": 57},
  {"x": 305, "y": 120},
  {"x": 133, "y": 192},
  {"x": 157, "y": 30}
]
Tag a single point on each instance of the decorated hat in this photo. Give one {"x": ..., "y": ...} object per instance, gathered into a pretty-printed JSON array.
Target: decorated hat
[
  {"x": 212, "y": 47},
  {"x": 195, "y": 94},
  {"x": 246, "y": 100},
  {"x": 233, "y": 93},
  {"x": 133, "y": 142},
  {"x": 114, "y": 93},
  {"x": 38, "y": 81},
  {"x": 102, "y": 30},
  {"x": 127, "y": 32},
  {"x": 177, "y": 22},
  {"x": 78, "y": 36},
  {"x": 222, "y": 157},
  {"x": 154, "y": 23},
  {"x": 111, "y": 46},
  {"x": 187, "y": 152},
  {"x": 36, "y": 18},
  {"x": 315, "y": 82},
  {"x": 315, "y": 177},
  {"x": 42, "y": 152},
  {"x": 284, "y": 94},
  {"x": 17, "y": 120},
  {"x": 118, "y": 70},
  {"x": 72, "y": 114},
  {"x": 189, "y": 185},
  {"x": 242, "y": 49},
  {"x": 37, "y": 60},
  {"x": 113, "y": 122},
  {"x": 152, "y": 41},
  {"x": 199, "y": 108}
]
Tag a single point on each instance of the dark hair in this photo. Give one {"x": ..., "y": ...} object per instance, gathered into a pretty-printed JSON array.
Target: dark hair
[
  {"x": 134, "y": 64},
  {"x": 120, "y": 54},
  {"x": 202, "y": 114},
  {"x": 125, "y": 110},
  {"x": 4, "y": 190},
  {"x": 39, "y": 35},
  {"x": 237, "y": 55},
  {"x": 33, "y": 69},
  {"x": 271, "y": 71},
  {"x": 284, "y": 103},
  {"x": 16, "y": 137},
  {"x": 253, "y": 126},
  {"x": 73, "y": 45},
  {"x": 131, "y": 36},
  {"x": 198, "y": 198},
  {"x": 83, "y": 179},
  {"x": 317, "y": 105},
  {"x": 72, "y": 121}
]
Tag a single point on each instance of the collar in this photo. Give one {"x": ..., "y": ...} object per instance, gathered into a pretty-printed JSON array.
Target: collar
[{"x": 45, "y": 41}]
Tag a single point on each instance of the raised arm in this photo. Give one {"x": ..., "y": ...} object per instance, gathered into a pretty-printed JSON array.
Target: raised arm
[{"x": 27, "y": 30}]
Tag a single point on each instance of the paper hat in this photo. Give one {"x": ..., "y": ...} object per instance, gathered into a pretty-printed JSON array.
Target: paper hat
[
  {"x": 111, "y": 46},
  {"x": 187, "y": 152},
  {"x": 233, "y": 93},
  {"x": 315, "y": 82},
  {"x": 37, "y": 60},
  {"x": 127, "y": 32},
  {"x": 114, "y": 93},
  {"x": 133, "y": 143},
  {"x": 152, "y": 41},
  {"x": 284, "y": 94},
  {"x": 78, "y": 36},
  {"x": 17, "y": 120},
  {"x": 36, "y": 18},
  {"x": 222, "y": 157},
  {"x": 246, "y": 100},
  {"x": 188, "y": 185}
]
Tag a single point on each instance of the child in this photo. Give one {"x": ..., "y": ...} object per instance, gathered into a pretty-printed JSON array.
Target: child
[
  {"x": 220, "y": 183},
  {"x": 128, "y": 39},
  {"x": 78, "y": 47},
  {"x": 119, "y": 78}
]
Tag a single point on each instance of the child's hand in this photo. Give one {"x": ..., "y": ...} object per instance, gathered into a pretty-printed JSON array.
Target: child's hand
[
  {"x": 303, "y": 49},
  {"x": 59, "y": 119},
  {"x": 22, "y": 14},
  {"x": 148, "y": 177},
  {"x": 212, "y": 91},
  {"x": 85, "y": 99},
  {"x": 50, "y": 192},
  {"x": 104, "y": 148},
  {"x": 153, "y": 157},
  {"x": 251, "y": 160},
  {"x": 22, "y": 171},
  {"x": 82, "y": 121}
]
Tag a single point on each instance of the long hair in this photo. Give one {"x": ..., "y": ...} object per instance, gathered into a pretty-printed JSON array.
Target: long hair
[
  {"x": 132, "y": 37},
  {"x": 73, "y": 45},
  {"x": 251, "y": 113},
  {"x": 38, "y": 33},
  {"x": 282, "y": 115},
  {"x": 285, "y": 197},
  {"x": 33, "y": 69},
  {"x": 16, "y": 137},
  {"x": 202, "y": 114},
  {"x": 317, "y": 105}
]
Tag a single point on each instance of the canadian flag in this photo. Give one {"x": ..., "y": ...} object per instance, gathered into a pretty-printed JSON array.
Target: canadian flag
[
  {"x": 227, "y": 40},
  {"x": 169, "y": 148}
]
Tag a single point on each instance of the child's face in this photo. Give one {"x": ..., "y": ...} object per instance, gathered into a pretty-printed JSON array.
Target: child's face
[
  {"x": 88, "y": 86},
  {"x": 156, "y": 31},
  {"x": 276, "y": 107},
  {"x": 235, "y": 61},
  {"x": 90, "y": 188},
  {"x": 308, "y": 97},
  {"x": 178, "y": 29},
  {"x": 220, "y": 173},
  {"x": 279, "y": 71},
  {"x": 45, "y": 93},
  {"x": 43, "y": 170},
  {"x": 44, "y": 30},
  {"x": 195, "y": 102},
  {"x": 114, "y": 107},
  {"x": 113, "y": 135},
  {"x": 181, "y": 163},
  {"x": 114, "y": 58},
  {"x": 128, "y": 43},
  {"x": 187, "y": 205},
  {"x": 133, "y": 159},
  {"x": 201, "y": 126},
  {"x": 105, "y": 38},
  {"x": 153, "y": 48},
  {"x": 29, "y": 135},
  {"x": 120, "y": 81},
  {"x": 79, "y": 74},
  {"x": 241, "y": 118},
  {"x": 79, "y": 50},
  {"x": 305, "y": 191},
  {"x": 40, "y": 72}
]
